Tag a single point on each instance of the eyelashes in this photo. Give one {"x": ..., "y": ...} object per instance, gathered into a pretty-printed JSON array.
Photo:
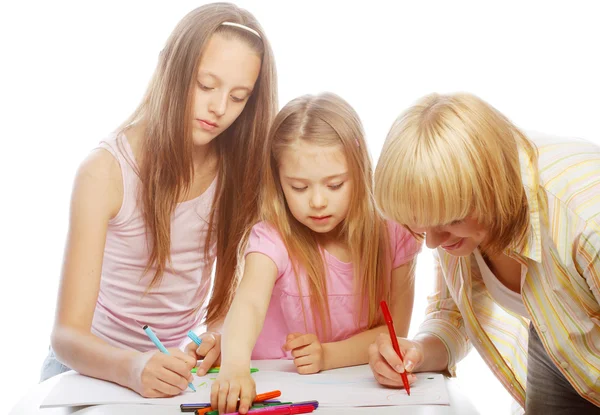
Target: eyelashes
[{"x": 331, "y": 186}]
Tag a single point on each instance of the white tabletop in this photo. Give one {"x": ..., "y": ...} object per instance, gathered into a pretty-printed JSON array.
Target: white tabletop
[{"x": 30, "y": 405}]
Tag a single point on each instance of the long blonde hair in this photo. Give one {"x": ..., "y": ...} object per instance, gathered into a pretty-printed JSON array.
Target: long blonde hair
[
  {"x": 451, "y": 156},
  {"x": 328, "y": 120},
  {"x": 166, "y": 167}
]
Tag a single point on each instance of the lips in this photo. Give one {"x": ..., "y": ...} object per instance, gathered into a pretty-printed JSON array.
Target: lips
[
  {"x": 212, "y": 124},
  {"x": 453, "y": 245}
]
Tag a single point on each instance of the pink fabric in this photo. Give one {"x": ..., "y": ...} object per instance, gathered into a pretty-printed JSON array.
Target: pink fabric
[
  {"x": 284, "y": 314},
  {"x": 173, "y": 307}
]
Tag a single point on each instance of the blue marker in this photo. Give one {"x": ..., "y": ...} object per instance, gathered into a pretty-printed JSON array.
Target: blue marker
[
  {"x": 160, "y": 346},
  {"x": 194, "y": 338}
]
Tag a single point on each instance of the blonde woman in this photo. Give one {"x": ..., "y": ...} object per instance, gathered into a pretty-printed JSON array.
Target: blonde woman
[
  {"x": 515, "y": 221},
  {"x": 157, "y": 202},
  {"x": 320, "y": 260}
]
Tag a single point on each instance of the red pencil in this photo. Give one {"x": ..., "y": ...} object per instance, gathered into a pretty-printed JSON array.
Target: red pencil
[{"x": 390, "y": 323}]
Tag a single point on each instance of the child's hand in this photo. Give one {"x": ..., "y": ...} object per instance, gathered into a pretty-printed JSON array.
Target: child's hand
[
  {"x": 209, "y": 351},
  {"x": 307, "y": 351},
  {"x": 158, "y": 375},
  {"x": 233, "y": 383},
  {"x": 387, "y": 366}
]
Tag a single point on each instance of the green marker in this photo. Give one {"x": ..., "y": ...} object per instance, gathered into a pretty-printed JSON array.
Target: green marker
[
  {"x": 216, "y": 370},
  {"x": 266, "y": 405}
]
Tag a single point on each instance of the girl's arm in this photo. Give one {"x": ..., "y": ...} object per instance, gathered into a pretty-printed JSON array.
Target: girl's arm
[
  {"x": 247, "y": 313},
  {"x": 355, "y": 350},
  {"x": 97, "y": 197},
  {"x": 242, "y": 326}
]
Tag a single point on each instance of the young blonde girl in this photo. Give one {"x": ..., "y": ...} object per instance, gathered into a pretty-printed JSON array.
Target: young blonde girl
[
  {"x": 157, "y": 202},
  {"x": 322, "y": 258},
  {"x": 515, "y": 220}
]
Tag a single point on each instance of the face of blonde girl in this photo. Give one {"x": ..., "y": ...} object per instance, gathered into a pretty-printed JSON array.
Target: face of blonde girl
[
  {"x": 226, "y": 77},
  {"x": 316, "y": 185}
]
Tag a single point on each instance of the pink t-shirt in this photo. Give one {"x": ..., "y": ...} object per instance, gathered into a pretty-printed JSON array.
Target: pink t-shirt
[
  {"x": 285, "y": 315},
  {"x": 171, "y": 308}
]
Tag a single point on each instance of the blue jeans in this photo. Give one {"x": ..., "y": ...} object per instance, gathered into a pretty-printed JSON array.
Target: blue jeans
[
  {"x": 548, "y": 391},
  {"x": 52, "y": 366}
]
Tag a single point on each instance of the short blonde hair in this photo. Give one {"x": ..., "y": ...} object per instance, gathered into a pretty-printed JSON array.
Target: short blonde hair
[{"x": 451, "y": 156}]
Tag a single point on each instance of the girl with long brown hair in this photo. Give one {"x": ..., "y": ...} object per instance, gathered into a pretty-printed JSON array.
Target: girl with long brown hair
[
  {"x": 322, "y": 257},
  {"x": 153, "y": 207}
]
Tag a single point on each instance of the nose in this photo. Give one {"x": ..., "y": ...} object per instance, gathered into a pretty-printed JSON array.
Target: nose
[
  {"x": 435, "y": 237},
  {"x": 317, "y": 199},
  {"x": 218, "y": 104}
]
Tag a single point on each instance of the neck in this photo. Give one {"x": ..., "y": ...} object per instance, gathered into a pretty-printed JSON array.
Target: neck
[
  {"x": 335, "y": 236},
  {"x": 204, "y": 158}
]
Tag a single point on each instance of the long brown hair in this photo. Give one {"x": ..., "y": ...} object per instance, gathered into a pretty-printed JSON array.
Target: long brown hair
[
  {"x": 450, "y": 156},
  {"x": 328, "y": 120},
  {"x": 166, "y": 167}
]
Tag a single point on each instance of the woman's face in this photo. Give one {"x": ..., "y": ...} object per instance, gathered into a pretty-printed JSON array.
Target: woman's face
[{"x": 458, "y": 238}]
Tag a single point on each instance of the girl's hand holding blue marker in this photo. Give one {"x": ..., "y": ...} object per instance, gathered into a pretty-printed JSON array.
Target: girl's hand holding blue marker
[
  {"x": 209, "y": 351},
  {"x": 308, "y": 353},
  {"x": 158, "y": 375}
]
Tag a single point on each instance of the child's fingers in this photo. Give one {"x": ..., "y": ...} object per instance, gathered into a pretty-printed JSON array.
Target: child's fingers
[
  {"x": 208, "y": 344},
  {"x": 185, "y": 357},
  {"x": 176, "y": 363},
  {"x": 208, "y": 362},
  {"x": 214, "y": 394},
  {"x": 222, "y": 397},
  {"x": 232, "y": 397},
  {"x": 300, "y": 341},
  {"x": 166, "y": 388},
  {"x": 303, "y": 360},
  {"x": 247, "y": 395},
  {"x": 292, "y": 336},
  {"x": 190, "y": 349},
  {"x": 307, "y": 369},
  {"x": 301, "y": 351}
]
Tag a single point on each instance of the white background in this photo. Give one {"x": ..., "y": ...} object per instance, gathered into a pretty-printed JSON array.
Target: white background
[{"x": 70, "y": 72}]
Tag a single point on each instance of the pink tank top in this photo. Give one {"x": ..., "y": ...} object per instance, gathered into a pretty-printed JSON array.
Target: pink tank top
[{"x": 171, "y": 308}]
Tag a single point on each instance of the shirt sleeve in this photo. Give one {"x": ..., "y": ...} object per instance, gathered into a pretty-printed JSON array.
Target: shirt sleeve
[
  {"x": 587, "y": 257},
  {"x": 405, "y": 246},
  {"x": 266, "y": 240},
  {"x": 444, "y": 320}
]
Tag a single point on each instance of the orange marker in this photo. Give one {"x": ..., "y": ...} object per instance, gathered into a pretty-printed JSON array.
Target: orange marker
[
  {"x": 259, "y": 398},
  {"x": 267, "y": 395}
]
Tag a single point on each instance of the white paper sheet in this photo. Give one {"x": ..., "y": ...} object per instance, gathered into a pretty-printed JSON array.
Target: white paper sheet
[{"x": 347, "y": 387}]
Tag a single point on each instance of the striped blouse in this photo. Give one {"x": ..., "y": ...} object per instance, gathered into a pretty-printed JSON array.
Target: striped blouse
[{"x": 561, "y": 291}]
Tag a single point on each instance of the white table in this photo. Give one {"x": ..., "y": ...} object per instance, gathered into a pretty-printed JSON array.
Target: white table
[{"x": 30, "y": 404}]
